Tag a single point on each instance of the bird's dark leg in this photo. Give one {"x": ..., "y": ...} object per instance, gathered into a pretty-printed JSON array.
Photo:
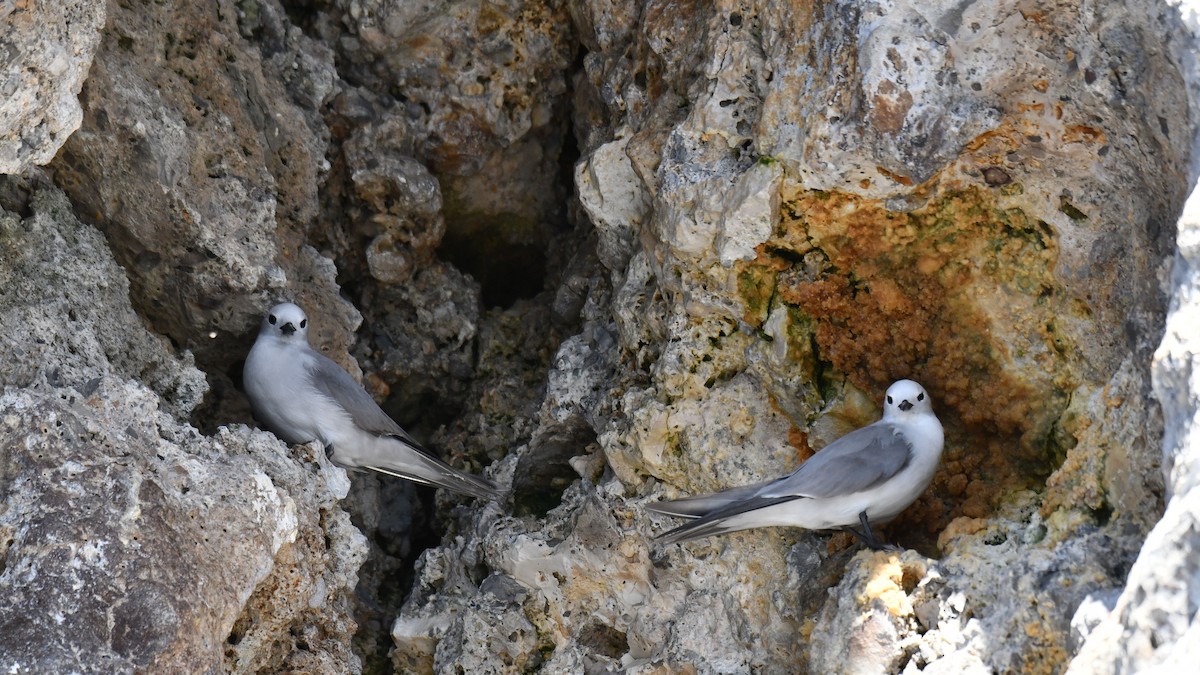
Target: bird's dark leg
[{"x": 867, "y": 537}]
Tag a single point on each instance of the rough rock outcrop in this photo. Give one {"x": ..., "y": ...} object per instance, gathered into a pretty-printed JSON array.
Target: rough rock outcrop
[
  {"x": 47, "y": 49},
  {"x": 794, "y": 209},
  {"x": 129, "y": 541},
  {"x": 200, "y": 157},
  {"x": 777, "y": 209},
  {"x": 1153, "y": 623}
]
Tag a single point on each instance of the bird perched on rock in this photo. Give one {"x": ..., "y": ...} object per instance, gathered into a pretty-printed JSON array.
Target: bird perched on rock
[
  {"x": 869, "y": 475},
  {"x": 302, "y": 396}
]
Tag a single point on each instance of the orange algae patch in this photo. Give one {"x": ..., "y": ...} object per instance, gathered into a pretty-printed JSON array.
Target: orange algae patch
[{"x": 951, "y": 295}]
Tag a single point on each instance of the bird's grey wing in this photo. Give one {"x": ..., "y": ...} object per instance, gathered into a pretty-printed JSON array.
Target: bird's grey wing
[
  {"x": 695, "y": 507},
  {"x": 423, "y": 467},
  {"x": 329, "y": 379},
  {"x": 857, "y": 461},
  {"x": 715, "y": 522}
]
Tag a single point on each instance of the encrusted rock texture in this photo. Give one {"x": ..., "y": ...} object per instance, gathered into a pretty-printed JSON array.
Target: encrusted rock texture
[
  {"x": 48, "y": 48},
  {"x": 606, "y": 253}
]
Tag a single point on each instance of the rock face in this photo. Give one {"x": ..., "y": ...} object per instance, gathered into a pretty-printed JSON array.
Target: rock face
[
  {"x": 1152, "y": 623},
  {"x": 609, "y": 253},
  {"x": 47, "y": 51},
  {"x": 129, "y": 541}
]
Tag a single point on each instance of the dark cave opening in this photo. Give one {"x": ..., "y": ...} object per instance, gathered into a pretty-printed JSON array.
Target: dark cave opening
[{"x": 498, "y": 252}]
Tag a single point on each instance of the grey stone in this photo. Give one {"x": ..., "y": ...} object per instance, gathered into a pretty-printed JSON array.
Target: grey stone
[
  {"x": 201, "y": 167},
  {"x": 65, "y": 303},
  {"x": 204, "y": 554},
  {"x": 47, "y": 48},
  {"x": 131, "y": 541},
  {"x": 1152, "y": 625}
]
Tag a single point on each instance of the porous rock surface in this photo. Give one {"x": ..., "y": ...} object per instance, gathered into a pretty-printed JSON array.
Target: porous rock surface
[
  {"x": 1152, "y": 624},
  {"x": 128, "y": 540},
  {"x": 48, "y": 48},
  {"x": 776, "y": 210},
  {"x": 781, "y": 243}
]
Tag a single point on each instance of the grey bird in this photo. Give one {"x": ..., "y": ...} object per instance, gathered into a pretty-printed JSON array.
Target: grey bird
[
  {"x": 302, "y": 396},
  {"x": 869, "y": 475}
]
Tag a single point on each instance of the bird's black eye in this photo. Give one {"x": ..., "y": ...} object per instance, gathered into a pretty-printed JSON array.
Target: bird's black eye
[
  {"x": 303, "y": 323},
  {"x": 271, "y": 319},
  {"x": 920, "y": 396},
  {"x": 889, "y": 400}
]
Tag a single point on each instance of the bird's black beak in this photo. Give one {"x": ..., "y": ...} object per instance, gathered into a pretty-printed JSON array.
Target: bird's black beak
[
  {"x": 904, "y": 405},
  {"x": 287, "y": 329}
]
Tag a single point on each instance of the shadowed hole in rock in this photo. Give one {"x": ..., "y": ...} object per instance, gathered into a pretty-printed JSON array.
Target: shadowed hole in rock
[
  {"x": 239, "y": 631},
  {"x": 545, "y": 472},
  {"x": 15, "y": 197},
  {"x": 604, "y": 640},
  {"x": 419, "y": 409},
  {"x": 503, "y": 253},
  {"x": 403, "y": 531},
  {"x": 910, "y": 576},
  {"x": 508, "y": 252}
]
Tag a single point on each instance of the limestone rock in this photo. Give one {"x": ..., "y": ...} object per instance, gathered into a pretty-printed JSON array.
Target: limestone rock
[
  {"x": 1153, "y": 625},
  {"x": 423, "y": 335},
  {"x": 193, "y": 533},
  {"x": 65, "y": 304},
  {"x": 1001, "y": 598},
  {"x": 48, "y": 49},
  {"x": 196, "y": 553},
  {"x": 794, "y": 210},
  {"x": 614, "y": 199},
  {"x": 199, "y": 156},
  {"x": 480, "y": 88},
  {"x": 405, "y": 207},
  {"x": 781, "y": 209}
]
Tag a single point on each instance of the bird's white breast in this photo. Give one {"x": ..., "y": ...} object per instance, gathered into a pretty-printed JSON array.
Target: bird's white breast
[{"x": 278, "y": 383}]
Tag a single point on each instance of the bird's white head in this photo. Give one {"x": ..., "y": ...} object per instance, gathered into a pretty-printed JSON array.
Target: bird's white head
[
  {"x": 906, "y": 398},
  {"x": 286, "y": 322}
]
